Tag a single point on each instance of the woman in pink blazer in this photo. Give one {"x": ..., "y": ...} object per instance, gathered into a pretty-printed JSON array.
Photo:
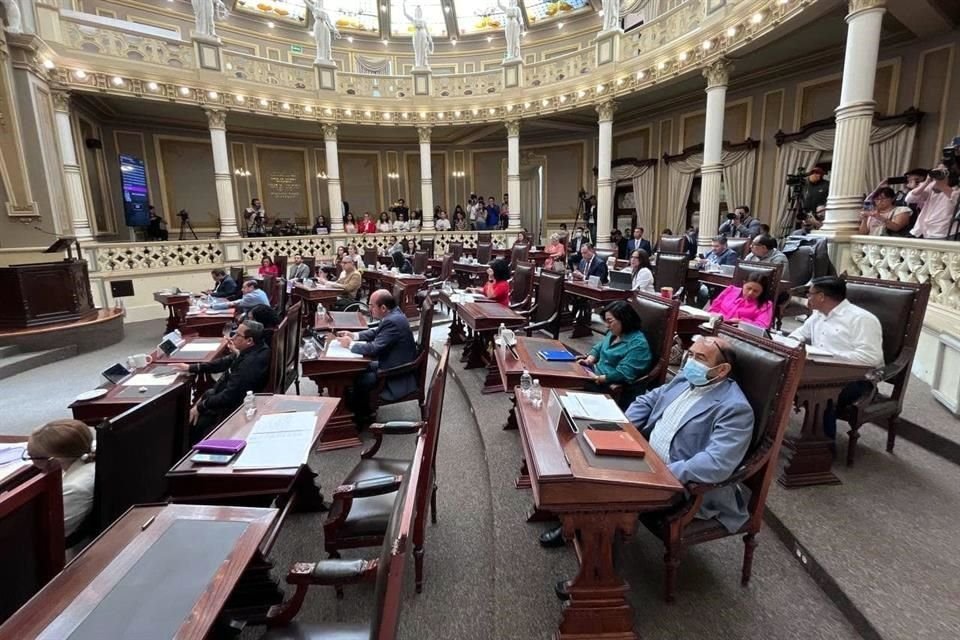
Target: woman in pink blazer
[{"x": 748, "y": 303}]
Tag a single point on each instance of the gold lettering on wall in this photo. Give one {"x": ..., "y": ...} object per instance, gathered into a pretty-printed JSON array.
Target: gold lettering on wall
[{"x": 284, "y": 189}]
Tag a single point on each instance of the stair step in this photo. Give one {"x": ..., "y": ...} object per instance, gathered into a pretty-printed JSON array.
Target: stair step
[
  {"x": 11, "y": 365},
  {"x": 9, "y": 350}
]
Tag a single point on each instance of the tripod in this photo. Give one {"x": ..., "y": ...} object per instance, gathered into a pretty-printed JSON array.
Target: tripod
[
  {"x": 184, "y": 225},
  {"x": 793, "y": 213}
]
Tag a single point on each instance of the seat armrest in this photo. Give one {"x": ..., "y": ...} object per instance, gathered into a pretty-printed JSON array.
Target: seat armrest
[
  {"x": 368, "y": 488},
  {"x": 326, "y": 572},
  {"x": 396, "y": 427}
]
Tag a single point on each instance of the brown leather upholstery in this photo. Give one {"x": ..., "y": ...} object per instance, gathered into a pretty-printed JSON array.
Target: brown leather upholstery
[
  {"x": 485, "y": 236},
  {"x": 278, "y": 344},
  {"x": 672, "y": 244},
  {"x": 310, "y": 261},
  {"x": 274, "y": 288},
  {"x": 427, "y": 246},
  {"x": 658, "y": 320},
  {"x": 281, "y": 262},
  {"x": 291, "y": 349},
  {"x": 801, "y": 263},
  {"x": 519, "y": 253},
  {"x": 772, "y": 273},
  {"x": 420, "y": 263},
  {"x": 370, "y": 257},
  {"x": 369, "y": 516},
  {"x": 521, "y": 287},
  {"x": 740, "y": 245},
  {"x": 671, "y": 271},
  {"x": 545, "y": 313},
  {"x": 455, "y": 249},
  {"x": 483, "y": 252}
]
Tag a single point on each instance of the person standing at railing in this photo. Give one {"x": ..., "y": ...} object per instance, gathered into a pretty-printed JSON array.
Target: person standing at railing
[
  {"x": 367, "y": 225},
  {"x": 384, "y": 225},
  {"x": 442, "y": 223},
  {"x": 937, "y": 197},
  {"x": 349, "y": 224}
]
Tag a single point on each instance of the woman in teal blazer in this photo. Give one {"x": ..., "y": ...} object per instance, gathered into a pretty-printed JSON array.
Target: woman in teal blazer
[{"x": 623, "y": 355}]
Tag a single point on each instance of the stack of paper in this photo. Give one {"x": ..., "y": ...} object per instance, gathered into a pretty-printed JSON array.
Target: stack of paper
[
  {"x": 278, "y": 441},
  {"x": 694, "y": 311},
  {"x": 11, "y": 458},
  {"x": 199, "y": 347},
  {"x": 149, "y": 380},
  {"x": 592, "y": 406},
  {"x": 336, "y": 350}
]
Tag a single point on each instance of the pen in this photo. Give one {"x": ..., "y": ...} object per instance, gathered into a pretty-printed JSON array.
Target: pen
[{"x": 146, "y": 524}]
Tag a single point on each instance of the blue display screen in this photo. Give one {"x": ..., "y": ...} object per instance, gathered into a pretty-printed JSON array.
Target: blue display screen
[{"x": 136, "y": 199}]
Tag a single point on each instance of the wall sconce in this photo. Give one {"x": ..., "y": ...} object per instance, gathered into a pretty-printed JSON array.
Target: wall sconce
[
  {"x": 240, "y": 172},
  {"x": 458, "y": 174},
  {"x": 322, "y": 175},
  {"x": 393, "y": 175}
]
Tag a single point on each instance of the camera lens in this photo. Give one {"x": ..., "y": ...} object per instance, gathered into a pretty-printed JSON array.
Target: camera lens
[{"x": 938, "y": 174}]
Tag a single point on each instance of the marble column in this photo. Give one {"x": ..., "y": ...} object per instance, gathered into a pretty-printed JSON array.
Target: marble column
[
  {"x": 604, "y": 181},
  {"x": 426, "y": 178},
  {"x": 854, "y": 118},
  {"x": 513, "y": 173},
  {"x": 217, "y": 121},
  {"x": 711, "y": 170},
  {"x": 333, "y": 177},
  {"x": 72, "y": 177}
]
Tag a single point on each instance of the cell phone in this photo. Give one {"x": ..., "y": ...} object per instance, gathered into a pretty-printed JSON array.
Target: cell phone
[
  {"x": 211, "y": 458},
  {"x": 604, "y": 426},
  {"x": 168, "y": 347},
  {"x": 897, "y": 180}
]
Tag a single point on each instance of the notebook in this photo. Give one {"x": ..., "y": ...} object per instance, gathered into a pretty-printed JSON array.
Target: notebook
[
  {"x": 556, "y": 355},
  {"x": 613, "y": 443}
]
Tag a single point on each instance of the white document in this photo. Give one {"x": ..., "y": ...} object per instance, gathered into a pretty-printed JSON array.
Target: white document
[
  {"x": 787, "y": 342},
  {"x": 10, "y": 458},
  {"x": 592, "y": 406},
  {"x": 278, "y": 441},
  {"x": 817, "y": 351},
  {"x": 336, "y": 350},
  {"x": 694, "y": 311},
  {"x": 149, "y": 380},
  {"x": 197, "y": 347}
]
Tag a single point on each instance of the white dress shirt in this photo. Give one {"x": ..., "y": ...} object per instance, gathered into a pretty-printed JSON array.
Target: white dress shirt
[
  {"x": 848, "y": 332},
  {"x": 77, "y": 494},
  {"x": 672, "y": 420},
  {"x": 643, "y": 280}
]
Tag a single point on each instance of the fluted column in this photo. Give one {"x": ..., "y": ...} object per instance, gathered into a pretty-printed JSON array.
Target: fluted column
[
  {"x": 333, "y": 177},
  {"x": 72, "y": 177},
  {"x": 711, "y": 171},
  {"x": 854, "y": 117},
  {"x": 426, "y": 178},
  {"x": 513, "y": 172},
  {"x": 604, "y": 181},
  {"x": 217, "y": 121}
]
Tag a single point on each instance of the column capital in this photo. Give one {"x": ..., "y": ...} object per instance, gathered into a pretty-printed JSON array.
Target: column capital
[
  {"x": 216, "y": 118},
  {"x": 61, "y": 100},
  {"x": 423, "y": 133},
  {"x": 329, "y": 131},
  {"x": 717, "y": 73},
  {"x": 856, "y": 6},
  {"x": 513, "y": 128},
  {"x": 606, "y": 110}
]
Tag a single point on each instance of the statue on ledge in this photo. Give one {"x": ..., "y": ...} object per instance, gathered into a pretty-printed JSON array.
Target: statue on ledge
[
  {"x": 611, "y": 15},
  {"x": 206, "y": 12},
  {"x": 512, "y": 29},
  {"x": 14, "y": 17},
  {"x": 323, "y": 28},
  {"x": 422, "y": 41}
]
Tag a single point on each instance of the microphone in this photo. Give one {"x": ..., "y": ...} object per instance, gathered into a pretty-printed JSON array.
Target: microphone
[{"x": 42, "y": 230}]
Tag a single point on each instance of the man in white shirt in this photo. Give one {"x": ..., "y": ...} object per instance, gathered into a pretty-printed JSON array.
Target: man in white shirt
[{"x": 846, "y": 331}]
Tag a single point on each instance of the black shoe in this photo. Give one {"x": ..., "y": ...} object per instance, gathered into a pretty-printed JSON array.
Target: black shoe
[
  {"x": 552, "y": 538},
  {"x": 561, "y": 590}
]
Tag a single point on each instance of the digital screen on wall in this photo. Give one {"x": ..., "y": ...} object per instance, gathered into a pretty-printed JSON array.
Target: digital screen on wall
[{"x": 136, "y": 200}]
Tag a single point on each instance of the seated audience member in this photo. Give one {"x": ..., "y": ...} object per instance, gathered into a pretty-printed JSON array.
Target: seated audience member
[
  {"x": 71, "y": 444},
  {"x": 846, "y": 331},
  {"x": 349, "y": 224},
  {"x": 720, "y": 254},
  {"x": 748, "y": 303},
  {"x": 415, "y": 223},
  {"x": 764, "y": 250},
  {"x": 350, "y": 280},
  {"x": 267, "y": 268},
  {"x": 637, "y": 242},
  {"x": 225, "y": 286},
  {"x": 574, "y": 246},
  {"x": 700, "y": 424},
  {"x": 246, "y": 368},
  {"x": 590, "y": 265},
  {"x": 640, "y": 268},
  {"x": 623, "y": 355},
  {"x": 252, "y": 296},
  {"x": 442, "y": 223},
  {"x": 402, "y": 223},
  {"x": 299, "y": 270},
  {"x": 320, "y": 227},
  {"x": 341, "y": 251},
  {"x": 497, "y": 287},
  {"x": 937, "y": 198},
  {"x": 563, "y": 233},
  {"x": 883, "y": 218},
  {"x": 384, "y": 225},
  {"x": 460, "y": 222},
  {"x": 277, "y": 228},
  {"x": 389, "y": 344},
  {"x": 555, "y": 252},
  {"x": 395, "y": 245},
  {"x": 400, "y": 263},
  {"x": 367, "y": 225},
  {"x": 354, "y": 253}
]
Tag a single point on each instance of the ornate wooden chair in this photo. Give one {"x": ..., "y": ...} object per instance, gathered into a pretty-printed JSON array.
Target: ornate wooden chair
[
  {"x": 420, "y": 262},
  {"x": 237, "y": 274},
  {"x": 455, "y": 249},
  {"x": 740, "y": 245},
  {"x": 278, "y": 344},
  {"x": 370, "y": 257},
  {"x": 291, "y": 349},
  {"x": 281, "y": 262},
  {"x": 483, "y": 252},
  {"x": 485, "y": 236},
  {"x": 427, "y": 246},
  {"x": 417, "y": 366},
  {"x": 768, "y": 374},
  {"x": 671, "y": 272},
  {"x": 521, "y": 287},
  {"x": 546, "y": 309},
  {"x": 658, "y": 319},
  {"x": 360, "y": 520},
  {"x": 773, "y": 274},
  {"x": 518, "y": 253},
  {"x": 900, "y": 307},
  {"x": 386, "y": 572},
  {"x": 672, "y": 244}
]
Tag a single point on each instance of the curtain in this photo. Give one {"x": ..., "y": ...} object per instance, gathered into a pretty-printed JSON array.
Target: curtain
[
  {"x": 375, "y": 66},
  {"x": 643, "y": 180},
  {"x": 890, "y": 151},
  {"x": 739, "y": 169},
  {"x": 529, "y": 201},
  {"x": 680, "y": 174}
]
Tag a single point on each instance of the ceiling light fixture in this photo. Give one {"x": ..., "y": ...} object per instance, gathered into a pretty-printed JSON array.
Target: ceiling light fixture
[
  {"x": 559, "y": 25},
  {"x": 152, "y": 86},
  {"x": 405, "y": 115},
  {"x": 264, "y": 102},
  {"x": 348, "y": 112},
  {"x": 545, "y": 102},
  {"x": 509, "y": 108},
  {"x": 641, "y": 75},
  {"x": 662, "y": 65},
  {"x": 446, "y": 9},
  {"x": 707, "y": 45},
  {"x": 453, "y": 41},
  {"x": 80, "y": 74},
  {"x": 600, "y": 88},
  {"x": 581, "y": 93},
  {"x": 366, "y": 113},
  {"x": 184, "y": 91},
  {"x": 350, "y": 39},
  {"x": 492, "y": 111},
  {"x": 213, "y": 95},
  {"x": 386, "y": 115},
  {"x": 285, "y": 106},
  {"x": 757, "y": 18},
  {"x": 456, "y": 114},
  {"x": 732, "y": 31},
  {"x": 383, "y": 8},
  {"x": 240, "y": 99},
  {"x": 683, "y": 57},
  {"x": 307, "y": 109},
  {"x": 48, "y": 64},
  {"x": 117, "y": 81},
  {"x": 563, "y": 98},
  {"x": 385, "y": 42},
  {"x": 270, "y": 25},
  {"x": 489, "y": 38},
  {"x": 526, "y": 105}
]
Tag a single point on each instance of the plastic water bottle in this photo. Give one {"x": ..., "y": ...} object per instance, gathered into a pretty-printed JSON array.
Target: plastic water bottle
[
  {"x": 249, "y": 405},
  {"x": 536, "y": 394},
  {"x": 503, "y": 327},
  {"x": 321, "y": 313},
  {"x": 526, "y": 383}
]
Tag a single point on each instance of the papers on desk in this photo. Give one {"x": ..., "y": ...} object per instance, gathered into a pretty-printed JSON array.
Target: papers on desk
[
  {"x": 694, "y": 311},
  {"x": 785, "y": 341},
  {"x": 199, "y": 347},
  {"x": 149, "y": 380},
  {"x": 592, "y": 406},
  {"x": 278, "y": 441},
  {"x": 11, "y": 458},
  {"x": 817, "y": 351},
  {"x": 336, "y": 350}
]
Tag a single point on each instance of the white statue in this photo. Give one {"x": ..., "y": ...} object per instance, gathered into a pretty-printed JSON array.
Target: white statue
[
  {"x": 611, "y": 15},
  {"x": 12, "y": 9},
  {"x": 512, "y": 29},
  {"x": 422, "y": 42},
  {"x": 323, "y": 28},
  {"x": 206, "y": 12}
]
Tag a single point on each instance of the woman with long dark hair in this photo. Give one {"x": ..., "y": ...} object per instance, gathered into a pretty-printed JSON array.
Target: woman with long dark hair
[
  {"x": 750, "y": 302},
  {"x": 349, "y": 224},
  {"x": 624, "y": 355},
  {"x": 497, "y": 287},
  {"x": 640, "y": 268}
]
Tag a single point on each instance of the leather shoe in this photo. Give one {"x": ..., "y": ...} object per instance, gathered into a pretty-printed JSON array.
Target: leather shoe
[
  {"x": 561, "y": 590},
  {"x": 552, "y": 538}
]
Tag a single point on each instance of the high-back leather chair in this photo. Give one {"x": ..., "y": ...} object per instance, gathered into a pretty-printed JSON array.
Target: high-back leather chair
[
  {"x": 483, "y": 252},
  {"x": 237, "y": 274},
  {"x": 281, "y": 262},
  {"x": 772, "y": 272},
  {"x": 671, "y": 271},
  {"x": 420, "y": 262},
  {"x": 900, "y": 307},
  {"x": 276, "y": 291},
  {"x": 485, "y": 236},
  {"x": 427, "y": 245},
  {"x": 521, "y": 286},
  {"x": 740, "y": 245},
  {"x": 455, "y": 249},
  {"x": 417, "y": 366},
  {"x": 518, "y": 253},
  {"x": 768, "y": 374},
  {"x": 672, "y": 244},
  {"x": 801, "y": 262},
  {"x": 134, "y": 452},
  {"x": 291, "y": 348},
  {"x": 658, "y": 320},
  {"x": 278, "y": 342},
  {"x": 370, "y": 257},
  {"x": 310, "y": 261},
  {"x": 545, "y": 312}
]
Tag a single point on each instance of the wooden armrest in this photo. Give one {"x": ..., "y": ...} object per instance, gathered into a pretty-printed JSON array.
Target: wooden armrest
[
  {"x": 406, "y": 367},
  {"x": 396, "y": 427},
  {"x": 536, "y": 326},
  {"x": 368, "y": 488},
  {"x": 326, "y": 572}
]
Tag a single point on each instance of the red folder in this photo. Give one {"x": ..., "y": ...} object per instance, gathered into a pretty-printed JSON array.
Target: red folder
[{"x": 613, "y": 443}]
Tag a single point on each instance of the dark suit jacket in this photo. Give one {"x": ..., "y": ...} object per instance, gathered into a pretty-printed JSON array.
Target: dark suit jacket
[
  {"x": 391, "y": 344},
  {"x": 227, "y": 288},
  {"x": 244, "y": 371},
  {"x": 597, "y": 267},
  {"x": 644, "y": 244}
]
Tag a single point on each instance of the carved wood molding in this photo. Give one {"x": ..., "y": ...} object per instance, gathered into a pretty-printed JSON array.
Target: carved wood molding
[
  {"x": 621, "y": 162},
  {"x": 910, "y": 117},
  {"x": 749, "y": 143}
]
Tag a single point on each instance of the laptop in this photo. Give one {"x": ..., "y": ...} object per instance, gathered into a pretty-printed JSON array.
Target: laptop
[
  {"x": 754, "y": 330},
  {"x": 621, "y": 280}
]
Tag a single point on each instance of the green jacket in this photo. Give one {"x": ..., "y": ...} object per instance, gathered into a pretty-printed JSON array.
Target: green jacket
[{"x": 625, "y": 361}]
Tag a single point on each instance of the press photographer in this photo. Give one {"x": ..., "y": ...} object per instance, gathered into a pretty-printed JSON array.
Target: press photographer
[
  {"x": 815, "y": 191},
  {"x": 938, "y": 197}
]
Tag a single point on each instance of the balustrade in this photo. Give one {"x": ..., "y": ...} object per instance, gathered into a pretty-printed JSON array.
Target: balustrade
[{"x": 908, "y": 260}]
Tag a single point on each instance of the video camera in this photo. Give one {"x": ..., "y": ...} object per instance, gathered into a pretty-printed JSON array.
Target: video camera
[
  {"x": 950, "y": 158},
  {"x": 796, "y": 180},
  {"x": 183, "y": 214}
]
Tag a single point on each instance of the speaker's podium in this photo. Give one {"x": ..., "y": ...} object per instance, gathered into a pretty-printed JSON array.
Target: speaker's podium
[{"x": 45, "y": 293}]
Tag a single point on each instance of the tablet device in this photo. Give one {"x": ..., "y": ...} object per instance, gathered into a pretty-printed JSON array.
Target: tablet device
[
  {"x": 556, "y": 355},
  {"x": 116, "y": 373},
  {"x": 211, "y": 458},
  {"x": 168, "y": 347}
]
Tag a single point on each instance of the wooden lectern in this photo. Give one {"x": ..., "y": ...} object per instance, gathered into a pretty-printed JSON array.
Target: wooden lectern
[{"x": 47, "y": 292}]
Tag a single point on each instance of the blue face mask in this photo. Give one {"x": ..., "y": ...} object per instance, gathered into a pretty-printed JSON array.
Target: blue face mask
[{"x": 695, "y": 372}]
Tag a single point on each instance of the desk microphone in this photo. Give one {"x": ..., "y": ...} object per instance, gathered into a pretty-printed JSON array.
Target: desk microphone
[{"x": 42, "y": 230}]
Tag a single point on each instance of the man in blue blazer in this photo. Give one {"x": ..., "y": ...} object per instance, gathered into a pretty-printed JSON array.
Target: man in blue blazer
[
  {"x": 389, "y": 344},
  {"x": 590, "y": 265},
  {"x": 638, "y": 242}
]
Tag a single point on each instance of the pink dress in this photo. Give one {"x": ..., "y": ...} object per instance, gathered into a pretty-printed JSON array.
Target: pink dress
[{"x": 733, "y": 306}]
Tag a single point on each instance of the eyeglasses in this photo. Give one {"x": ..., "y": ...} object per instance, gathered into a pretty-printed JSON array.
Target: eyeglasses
[{"x": 18, "y": 454}]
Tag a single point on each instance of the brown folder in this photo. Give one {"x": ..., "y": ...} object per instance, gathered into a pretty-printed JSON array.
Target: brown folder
[{"x": 613, "y": 443}]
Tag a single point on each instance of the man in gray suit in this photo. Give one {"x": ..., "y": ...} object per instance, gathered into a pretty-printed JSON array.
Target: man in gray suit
[
  {"x": 300, "y": 269},
  {"x": 701, "y": 425},
  {"x": 389, "y": 344}
]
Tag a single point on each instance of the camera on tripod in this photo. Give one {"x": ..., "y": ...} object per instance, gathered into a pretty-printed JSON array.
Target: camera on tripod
[
  {"x": 950, "y": 160},
  {"x": 183, "y": 214}
]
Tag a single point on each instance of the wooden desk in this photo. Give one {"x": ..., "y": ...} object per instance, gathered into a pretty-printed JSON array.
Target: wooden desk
[
  {"x": 595, "y": 497},
  {"x": 325, "y": 293},
  {"x": 811, "y": 456},
  {"x": 193, "y": 357},
  {"x": 9, "y": 480},
  {"x": 341, "y": 321},
  {"x": 589, "y": 297},
  {"x": 336, "y": 375},
  {"x": 176, "y": 305},
  {"x": 484, "y": 319},
  {"x": 119, "y": 398},
  {"x": 388, "y": 280},
  {"x": 158, "y": 571},
  {"x": 469, "y": 275},
  {"x": 458, "y": 334},
  {"x": 45, "y": 293},
  {"x": 208, "y": 323}
]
